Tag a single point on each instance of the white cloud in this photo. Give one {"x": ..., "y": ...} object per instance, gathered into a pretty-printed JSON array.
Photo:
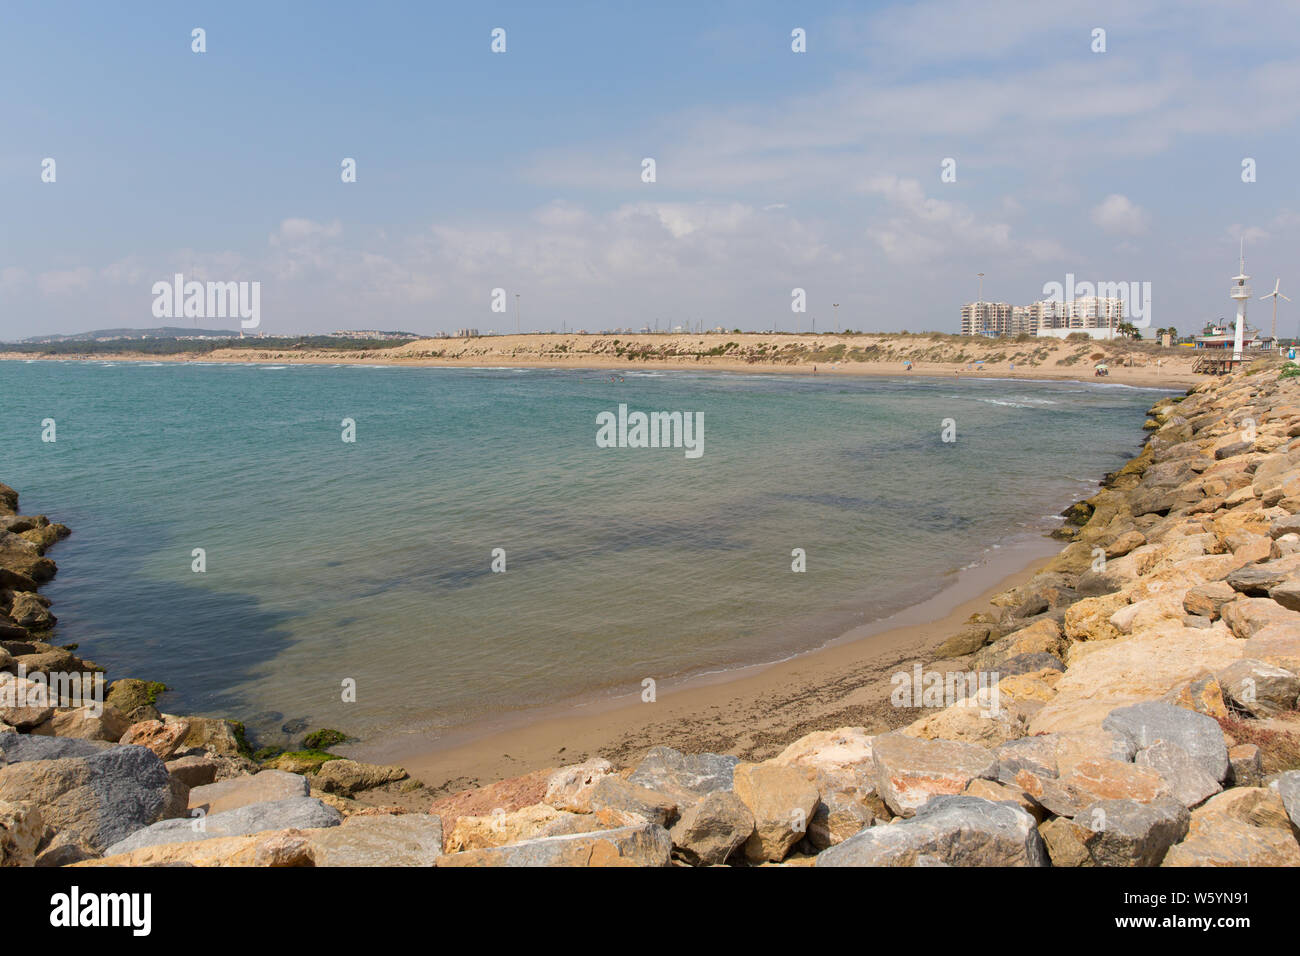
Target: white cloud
[{"x": 1118, "y": 214}]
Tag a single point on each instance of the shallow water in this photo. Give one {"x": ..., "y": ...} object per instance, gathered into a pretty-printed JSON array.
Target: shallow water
[{"x": 370, "y": 561}]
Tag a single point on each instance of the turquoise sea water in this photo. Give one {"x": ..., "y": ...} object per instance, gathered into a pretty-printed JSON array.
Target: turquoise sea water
[{"x": 371, "y": 560}]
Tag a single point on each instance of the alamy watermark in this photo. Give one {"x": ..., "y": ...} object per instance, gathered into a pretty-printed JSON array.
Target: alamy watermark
[
  {"x": 208, "y": 300},
  {"x": 1134, "y": 297},
  {"x": 922, "y": 688},
  {"x": 651, "y": 430},
  {"x": 57, "y": 688}
]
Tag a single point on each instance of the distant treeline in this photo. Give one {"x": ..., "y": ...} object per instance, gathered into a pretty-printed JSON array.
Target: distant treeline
[{"x": 199, "y": 346}]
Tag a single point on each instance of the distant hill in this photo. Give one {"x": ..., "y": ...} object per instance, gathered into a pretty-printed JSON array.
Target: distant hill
[{"x": 110, "y": 335}]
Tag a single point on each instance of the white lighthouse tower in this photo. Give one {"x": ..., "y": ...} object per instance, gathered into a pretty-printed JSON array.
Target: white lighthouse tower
[{"x": 1241, "y": 292}]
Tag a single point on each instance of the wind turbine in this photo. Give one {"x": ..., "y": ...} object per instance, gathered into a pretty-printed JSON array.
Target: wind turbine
[{"x": 1275, "y": 295}]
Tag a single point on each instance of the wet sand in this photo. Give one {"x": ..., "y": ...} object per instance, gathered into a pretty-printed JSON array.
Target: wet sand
[{"x": 752, "y": 712}]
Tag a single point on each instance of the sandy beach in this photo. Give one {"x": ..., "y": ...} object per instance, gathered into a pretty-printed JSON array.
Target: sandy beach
[
  {"x": 752, "y": 712},
  {"x": 1139, "y": 364}
]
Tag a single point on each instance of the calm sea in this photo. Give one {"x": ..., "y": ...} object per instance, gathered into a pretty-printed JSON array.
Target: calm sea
[{"x": 371, "y": 561}]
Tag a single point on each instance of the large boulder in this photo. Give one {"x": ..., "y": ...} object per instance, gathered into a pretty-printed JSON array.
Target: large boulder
[
  {"x": 712, "y": 829},
  {"x": 270, "y": 848},
  {"x": 294, "y": 812},
  {"x": 215, "y": 735},
  {"x": 18, "y": 748},
  {"x": 87, "y": 723},
  {"x": 24, "y": 557},
  {"x": 1090, "y": 781},
  {"x": 24, "y": 704},
  {"x": 1245, "y": 826},
  {"x": 1202, "y": 738},
  {"x": 407, "y": 839},
  {"x": 1188, "y": 781},
  {"x": 1259, "y": 688},
  {"x": 837, "y": 760},
  {"x": 134, "y": 698},
  {"x": 781, "y": 801},
  {"x": 1204, "y": 695},
  {"x": 264, "y": 787},
  {"x": 91, "y": 801},
  {"x": 1248, "y": 616},
  {"x": 641, "y": 845},
  {"x": 1207, "y": 599},
  {"x": 684, "y": 777},
  {"x": 613, "y": 792},
  {"x": 909, "y": 770},
  {"x": 513, "y": 793},
  {"x": 954, "y": 830},
  {"x": 569, "y": 788},
  {"x": 162, "y": 737},
  {"x": 1257, "y": 580},
  {"x": 1139, "y": 668},
  {"x": 350, "y": 776},
  {"x": 500, "y": 828},
  {"x": 1129, "y": 833}
]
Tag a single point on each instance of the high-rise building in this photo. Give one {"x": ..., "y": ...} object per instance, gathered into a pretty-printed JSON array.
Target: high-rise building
[
  {"x": 1096, "y": 315},
  {"x": 985, "y": 318}
]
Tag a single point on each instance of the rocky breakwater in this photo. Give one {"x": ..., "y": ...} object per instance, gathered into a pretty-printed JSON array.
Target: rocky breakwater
[{"x": 94, "y": 773}]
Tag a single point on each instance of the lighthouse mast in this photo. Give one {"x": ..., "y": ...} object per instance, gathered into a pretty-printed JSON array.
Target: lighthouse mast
[{"x": 1241, "y": 292}]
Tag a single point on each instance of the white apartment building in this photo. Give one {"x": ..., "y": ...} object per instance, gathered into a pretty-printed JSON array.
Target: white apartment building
[
  {"x": 985, "y": 318},
  {"x": 1096, "y": 315}
]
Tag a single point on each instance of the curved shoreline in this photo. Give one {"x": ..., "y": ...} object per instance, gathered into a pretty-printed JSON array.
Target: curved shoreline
[
  {"x": 752, "y": 710},
  {"x": 550, "y": 351}
]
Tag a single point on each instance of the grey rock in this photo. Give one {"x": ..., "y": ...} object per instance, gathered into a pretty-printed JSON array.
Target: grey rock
[
  {"x": 1247, "y": 766},
  {"x": 951, "y": 831},
  {"x": 1255, "y": 580},
  {"x": 1259, "y": 688},
  {"x": 1189, "y": 784},
  {"x": 1287, "y": 593},
  {"x": 95, "y": 800},
  {"x": 1035, "y": 754},
  {"x": 1231, "y": 451},
  {"x": 405, "y": 839},
  {"x": 1287, "y": 524},
  {"x": 1288, "y": 787},
  {"x": 709, "y": 831},
  {"x": 1143, "y": 724},
  {"x": 612, "y": 792},
  {"x": 1027, "y": 664},
  {"x": 1096, "y": 583},
  {"x": 684, "y": 777},
  {"x": 1128, "y": 833},
  {"x": 304, "y": 813},
  {"x": 20, "y": 747}
]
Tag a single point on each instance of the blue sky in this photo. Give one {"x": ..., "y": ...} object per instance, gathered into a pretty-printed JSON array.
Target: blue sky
[{"x": 521, "y": 170}]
